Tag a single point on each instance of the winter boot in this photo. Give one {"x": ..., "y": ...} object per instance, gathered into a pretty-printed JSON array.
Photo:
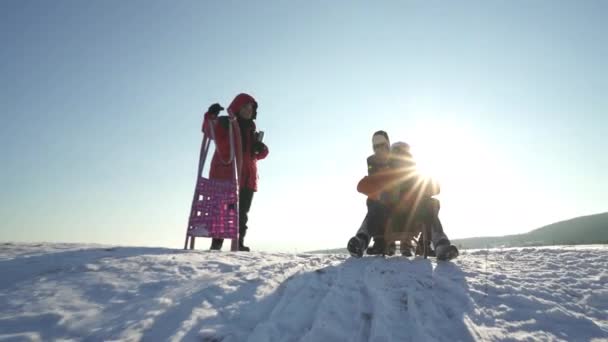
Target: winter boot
[
  {"x": 355, "y": 247},
  {"x": 392, "y": 249},
  {"x": 216, "y": 244},
  {"x": 405, "y": 249},
  {"x": 242, "y": 247},
  {"x": 445, "y": 251},
  {"x": 420, "y": 248},
  {"x": 378, "y": 247}
]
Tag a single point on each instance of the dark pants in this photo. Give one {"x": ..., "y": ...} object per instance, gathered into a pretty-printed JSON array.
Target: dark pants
[
  {"x": 377, "y": 213},
  {"x": 245, "y": 199},
  {"x": 374, "y": 223}
]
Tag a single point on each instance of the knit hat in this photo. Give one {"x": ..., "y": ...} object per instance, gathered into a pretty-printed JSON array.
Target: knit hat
[{"x": 400, "y": 148}]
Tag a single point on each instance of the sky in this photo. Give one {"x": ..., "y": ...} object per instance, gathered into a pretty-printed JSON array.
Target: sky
[{"x": 101, "y": 104}]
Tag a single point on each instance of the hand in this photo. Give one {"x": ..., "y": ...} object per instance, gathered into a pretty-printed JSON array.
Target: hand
[
  {"x": 214, "y": 110},
  {"x": 258, "y": 147}
]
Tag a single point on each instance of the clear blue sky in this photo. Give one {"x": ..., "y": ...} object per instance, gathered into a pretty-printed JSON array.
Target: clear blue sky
[{"x": 101, "y": 104}]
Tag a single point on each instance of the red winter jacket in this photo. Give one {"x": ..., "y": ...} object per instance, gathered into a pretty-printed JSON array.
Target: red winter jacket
[
  {"x": 403, "y": 185},
  {"x": 244, "y": 139}
]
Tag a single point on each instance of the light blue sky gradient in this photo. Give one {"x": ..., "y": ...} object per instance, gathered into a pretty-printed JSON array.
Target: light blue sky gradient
[{"x": 101, "y": 104}]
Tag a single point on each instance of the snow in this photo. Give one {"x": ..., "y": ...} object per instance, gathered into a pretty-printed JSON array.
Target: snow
[{"x": 94, "y": 293}]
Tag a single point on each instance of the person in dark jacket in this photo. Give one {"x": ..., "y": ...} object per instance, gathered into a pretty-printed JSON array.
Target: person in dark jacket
[
  {"x": 375, "y": 220},
  {"x": 248, "y": 150}
]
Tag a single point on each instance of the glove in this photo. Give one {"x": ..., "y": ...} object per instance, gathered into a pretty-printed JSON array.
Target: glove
[
  {"x": 258, "y": 147},
  {"x": 214, "y": 110}
]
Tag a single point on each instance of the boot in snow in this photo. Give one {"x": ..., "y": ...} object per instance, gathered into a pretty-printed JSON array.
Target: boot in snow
[
  {"x": 420, "y": 248},
  {"x": 446, "y": 251},
  {"x": 377, "y": 248},
  {"x": 392, "y": 249},
  {"x": 216, "y": 244},
  {"x": 355, "y": 247},
  {"x": 405, "y": 249},
  {"x": 242, "y": 247}
]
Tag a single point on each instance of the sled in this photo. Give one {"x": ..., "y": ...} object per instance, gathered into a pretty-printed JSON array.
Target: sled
[
  {"x": 214, "y": 212},
  {"x": 407, "y": 227}
]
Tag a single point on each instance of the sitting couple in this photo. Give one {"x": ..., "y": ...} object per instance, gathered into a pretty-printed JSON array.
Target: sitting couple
[{"x": 397, "y": 193}]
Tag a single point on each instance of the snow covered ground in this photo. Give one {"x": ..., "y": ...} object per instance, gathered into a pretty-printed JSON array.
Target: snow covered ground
[{"x": 96, "y": 293}]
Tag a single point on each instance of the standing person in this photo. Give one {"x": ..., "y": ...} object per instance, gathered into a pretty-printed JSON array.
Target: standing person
[
  {"x": 375, "y": 220},
  {"x": 248, "y": 150}
]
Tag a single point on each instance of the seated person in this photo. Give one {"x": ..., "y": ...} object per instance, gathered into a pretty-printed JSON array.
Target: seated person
[
  {"x": 402, "y": 193},
  {"x": 374, "y": 223}
]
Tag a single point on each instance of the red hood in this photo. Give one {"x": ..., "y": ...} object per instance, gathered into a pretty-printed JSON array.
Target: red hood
[{"x": 239, "y": 101}]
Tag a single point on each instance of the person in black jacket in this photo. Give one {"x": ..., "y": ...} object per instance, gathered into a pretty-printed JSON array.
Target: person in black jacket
[{"x": 374, "y": 223}]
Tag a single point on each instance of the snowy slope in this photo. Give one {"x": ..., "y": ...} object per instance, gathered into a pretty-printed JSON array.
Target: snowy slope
[{"x": 94, "y": 293}]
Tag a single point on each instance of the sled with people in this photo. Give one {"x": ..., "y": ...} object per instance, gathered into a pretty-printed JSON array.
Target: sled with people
[{"x": 401, "y": 207}]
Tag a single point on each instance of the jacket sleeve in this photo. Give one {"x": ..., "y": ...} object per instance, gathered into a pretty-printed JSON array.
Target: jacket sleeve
[
  {"x": 263, "y": 153},
  {"x": 374, "y": 166},
  {"x": 370, "y": 166},
  {"x": 375, "y": 184},
  {"x": 220, "y": 130}
]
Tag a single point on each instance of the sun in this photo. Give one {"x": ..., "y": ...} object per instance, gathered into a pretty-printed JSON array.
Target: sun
[
  {"x": 470, "y": 175},
  {"x": 438, "y": 151}
]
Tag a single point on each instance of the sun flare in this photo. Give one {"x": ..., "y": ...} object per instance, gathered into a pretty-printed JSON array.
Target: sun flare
[
  {"x": 456, "y": 158},
  {"x": 442, "y": 154}
]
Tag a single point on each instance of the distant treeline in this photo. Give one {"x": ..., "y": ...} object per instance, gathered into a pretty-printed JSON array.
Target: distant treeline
[{"x": 584, "y": 230}]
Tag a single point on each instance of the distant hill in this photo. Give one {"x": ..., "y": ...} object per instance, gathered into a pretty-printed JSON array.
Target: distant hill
[
  {"x": 583, "y": 230},
  {"x": 592, "y": 229}
]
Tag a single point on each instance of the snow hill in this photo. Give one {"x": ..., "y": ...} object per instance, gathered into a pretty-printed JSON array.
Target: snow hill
[
  {"x": 95, "y": 293},
  {"x": 590, "y": 229}
]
